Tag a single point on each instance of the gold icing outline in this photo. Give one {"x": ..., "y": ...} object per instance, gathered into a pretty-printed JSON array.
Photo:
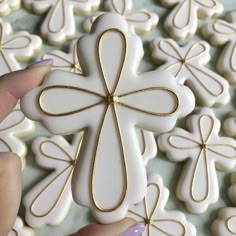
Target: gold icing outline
[
  {"x": 15, "y": 232},
  {"x": 148, "y": 218},
  {"x": 115, "y": 7},
  {"x": 149, "y": 16},
  {"x": 200, "y": 3},
  {"x": 71, "y": 164},
  {"x": 233, "y": 68},
  {"x": 224, "y": 24}
]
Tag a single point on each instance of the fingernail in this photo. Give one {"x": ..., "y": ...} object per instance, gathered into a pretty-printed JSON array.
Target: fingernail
[
  {"x": 45, "y": 62},
  {"x": 137, "y": 230}
]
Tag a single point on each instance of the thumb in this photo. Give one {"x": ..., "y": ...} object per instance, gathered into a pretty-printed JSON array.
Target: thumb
[
  {"x": 16, "y": 84},
  {"x": 126, "y": 227},
  {"x": 10, "y": 189}
]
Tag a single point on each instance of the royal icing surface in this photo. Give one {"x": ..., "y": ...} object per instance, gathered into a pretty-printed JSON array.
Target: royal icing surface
[
  {"x": 230, "y": 124},
  {"x": 49, "y": 201},
  {"x": 15, "y": 125},
  {"x": 141, "y": 21},
  {"x": 225, "y": 225},
  {"x": 204, "y": 151},
  {"x": 7, "y": 6},
  {"x": 59, "y": 24},
  {"x": 19, "y": 229},
  {"x": 152, "y": 212},
  {"x": 186, "y": 63},
  {"x": 16, "y": 47},
  {"x": 70, "y": 62},
  {"x": 224, "y": 33},
  {"x": 182, "y": 22},
  {"x": 114, "y": 99}
]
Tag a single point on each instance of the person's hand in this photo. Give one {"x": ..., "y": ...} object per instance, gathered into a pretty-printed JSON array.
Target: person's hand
[{"x": 13, "y": 86}]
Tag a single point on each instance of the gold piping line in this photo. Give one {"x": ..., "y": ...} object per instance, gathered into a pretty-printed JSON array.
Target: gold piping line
[
  {"x": 17, "y": 123},
  {"x": 54, "y": 8},
  {"x": 228, "y": 226},
  {"x": 167, "y": 53},
  {"x": 218, "y": 153},
  {"x": 16, "y": 38},
  {"x": 55, "y": 55},
  {"x": 137, "y": 12},
  {"x": 199, "y": 81},
  {"x": 6, "y": 61},
  {"x": 177, "y": 13},
  {"x": 170, "y": 220},
  {"x": 122, "y": 62},
  {"x": 233, "y": 68},
  {"x": 60, "y": 195},
  {"x": 146, "y": 111},
  {"x": 136, "y": 214},
  {"x": 193, "y": 182},
  {"x": 71, "y": 112},
  {"x": 179, "y": 136},
  {"x": 115, "y": 8},
  {"x": 119, "y": 204},
  {"x": 202, "y": 128},
  {"x": 1, "y": 34},
  {"x": 6, "y": 144},
  {"x": 15, "y": 232},
  {"x": 143, "y": 141},
  {"x": 224, "y": 24},
  {"x": 204, "y": 5},
  {"x": 192, "y": 48}
]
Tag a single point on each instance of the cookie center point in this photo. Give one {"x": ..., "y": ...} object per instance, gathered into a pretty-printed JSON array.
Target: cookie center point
[
  {"x": 148, "y": 221},
  {"x": 204, "y": 146},
  {"x": 112, "y": 99},
  {"x": 77, "y": 66}
]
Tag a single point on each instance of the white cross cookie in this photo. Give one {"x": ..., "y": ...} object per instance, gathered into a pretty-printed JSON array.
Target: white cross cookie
[
  {"x": 204, "y": 151},
  {"x": 59, "y": 24},
  {"x": 187, "y": 64},
  {"x": 152, "y": 212},
  {"x": 7, "y": 6},
  {"x": 182, "y": 22},
  {"x": 109, "y": 100},
  {"x": 225, "y": 224},
  {"x": 19, "y": 229},
  {"x": 223, "y": 33},
  {"x": 141, "y": 21},
  {"x": 14, "y": 47},
  {"x": 14, "y": 126},
  {"x": 230, "y": 124},
  {"x": 69, "y": 62}
]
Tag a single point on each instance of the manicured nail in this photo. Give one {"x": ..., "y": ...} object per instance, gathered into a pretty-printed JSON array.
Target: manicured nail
[
  {"x": 137, "y": 230},
  {"x": 45, "y": 62}
]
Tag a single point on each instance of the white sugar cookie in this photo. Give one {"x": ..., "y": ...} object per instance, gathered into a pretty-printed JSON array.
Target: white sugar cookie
[
  {"x": 232, "y": 189},
  {"x": 141, "y": 21},
  {"x": 113, "y": 99},
  {"x": 187, "y": 64},
  {"x": 230, "y": 124},
  {"x": 15, "y": 125},
  {"x": 49, "y": 201},
  {"x": 70, "y": 62},
  {"x": 19, "y": 46},
  {"x": 182, "y": 22},
  {"x": 225, "y": 224},
  {"x": 223, "y": 33},
  {"x": 59, "y": 24},
  {"x": 20, "y": 230},
  {"x": 152, "y": 212},
  {"x": 203, "y": 150},
  {"x": 7, "y": 6}
]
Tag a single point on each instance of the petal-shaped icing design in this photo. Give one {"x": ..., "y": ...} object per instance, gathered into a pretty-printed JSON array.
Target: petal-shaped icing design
[
  {"x": 49, "y": 201},
  {"x": 182, "y": 22},
  {"x": 187, "y": 64},
  {"x": 109, "y": 100},
  {"x": 120, "y": 6},
  {"x": 13, "y": 119},
  {"x": 16, "y": 47},
  {"x": 213, "y": 151},
  {"x": 152, "y": 212}
]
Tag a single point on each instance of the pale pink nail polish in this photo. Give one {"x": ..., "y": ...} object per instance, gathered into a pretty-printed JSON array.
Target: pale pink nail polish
[
  {"x": 137, "y": 230},
  {"x": 45, "y": 62}
]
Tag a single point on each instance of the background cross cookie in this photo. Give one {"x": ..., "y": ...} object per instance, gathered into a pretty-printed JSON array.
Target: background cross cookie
[
  {"x": 14, "y": 47},
  {"x": 187, "y": 64},
  {"x": 230, "y": 124},
  {"x": 7, "y": 6},
  {"x": 223, "y": 33},
  {"x": 182, "y": 22},
  {"x": 204, "y": 151},
  {"x": 152, "y": 212},
  {"x": 118, "y": 99},
  {"x": 141, "y": 21},
  {"x": 59, "y": 24}
]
